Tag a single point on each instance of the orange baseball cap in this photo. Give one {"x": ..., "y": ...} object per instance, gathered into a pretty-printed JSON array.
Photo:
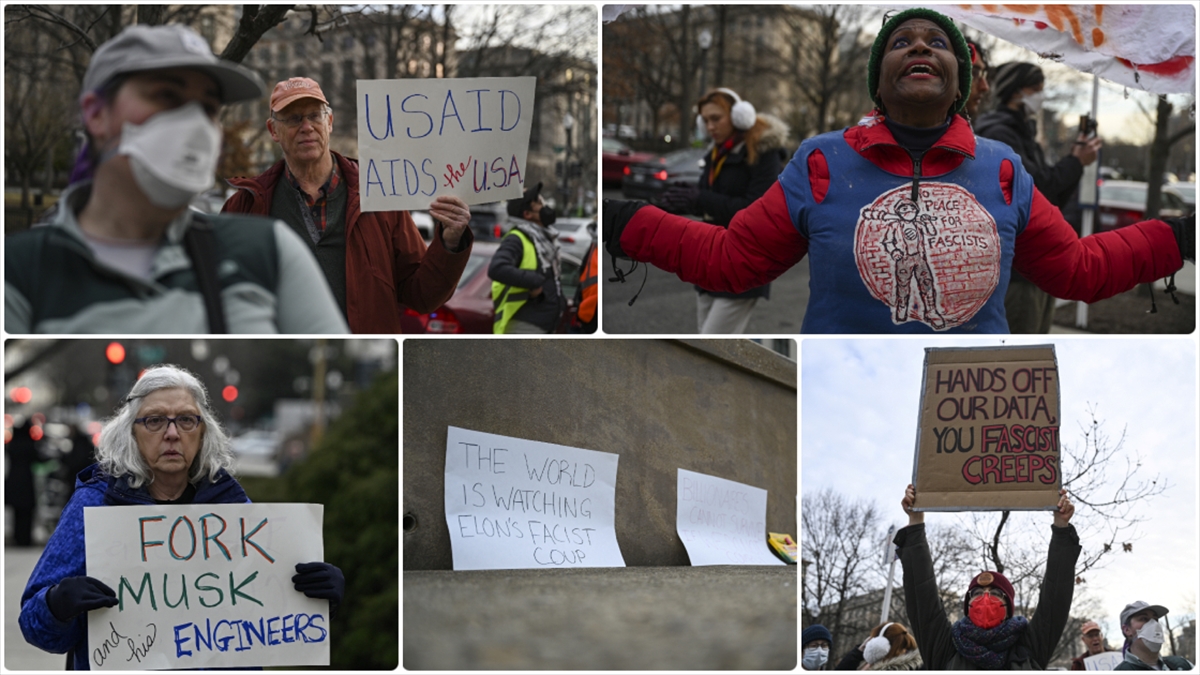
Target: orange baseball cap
[
  {"x": 294, "y": 89},
  {"x": 1089, "y": 626}
]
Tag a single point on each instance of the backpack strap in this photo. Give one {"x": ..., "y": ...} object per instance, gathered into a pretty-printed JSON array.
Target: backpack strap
[{"x": 200, "y": 242}]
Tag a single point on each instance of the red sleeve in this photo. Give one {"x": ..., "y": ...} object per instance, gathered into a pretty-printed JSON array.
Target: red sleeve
[
  {"x": 759, "y": 245},
  {"x": 1051, "y": 255}
]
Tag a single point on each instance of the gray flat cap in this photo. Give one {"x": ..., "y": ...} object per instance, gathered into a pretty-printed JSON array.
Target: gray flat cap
[{"x": 141, "y": 48}]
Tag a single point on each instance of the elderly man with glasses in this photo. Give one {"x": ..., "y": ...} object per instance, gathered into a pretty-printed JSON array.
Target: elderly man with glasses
[{"x": 375, "y": 263}]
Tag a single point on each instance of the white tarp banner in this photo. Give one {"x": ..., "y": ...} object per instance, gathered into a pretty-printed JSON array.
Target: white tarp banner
[
  {"x": 205, "y": 586},
  {"x": 1146, "y": 47},
  {"x": 513, "y": 503},
  {"x": 418, "y": 139},
  {"x": 722, "y": 522}
]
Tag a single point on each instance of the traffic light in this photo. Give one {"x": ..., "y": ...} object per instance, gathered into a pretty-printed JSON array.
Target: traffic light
[{"x": 115, "y": 353}]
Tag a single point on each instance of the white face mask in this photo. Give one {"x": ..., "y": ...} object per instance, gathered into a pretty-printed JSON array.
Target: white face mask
[
  {"x": 173, "y": 154},
  {"x": 815, "y": 657},
  {"x": 1033, "y": 102},
  {"x": 1151, "y": 634}
]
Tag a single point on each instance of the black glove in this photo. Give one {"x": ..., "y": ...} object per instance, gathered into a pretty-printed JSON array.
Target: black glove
[
  {"x": 679, "y": 199},
  {"x": 616, "y": 215},
  {"x": 320, "y": 580},
  {"x": 75, "y": 595},
  {"x": 1184, "y": 228}
]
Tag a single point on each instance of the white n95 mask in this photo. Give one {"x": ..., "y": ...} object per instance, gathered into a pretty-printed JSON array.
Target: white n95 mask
[
  {"x": 815, "y": 657},
  {"x": 1033, "y": 102},
  {"x": 173, "y": 154},
  {"x": 1151, "y": 634}
]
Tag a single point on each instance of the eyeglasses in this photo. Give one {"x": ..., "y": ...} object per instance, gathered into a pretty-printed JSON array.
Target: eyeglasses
[
  {"x": 293, "y": 121},
  {"x": 156, "y": 423},
  {"x": 978, "y": 72}
]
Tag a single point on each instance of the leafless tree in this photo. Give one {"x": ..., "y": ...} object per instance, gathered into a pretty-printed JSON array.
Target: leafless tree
[{"x": 826, "y": 60}]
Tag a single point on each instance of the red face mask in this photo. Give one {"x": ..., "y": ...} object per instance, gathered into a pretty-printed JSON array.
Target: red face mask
[{"x": 987, "y": 611}]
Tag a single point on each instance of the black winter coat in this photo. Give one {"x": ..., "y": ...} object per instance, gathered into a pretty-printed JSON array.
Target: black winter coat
[
  {"x": 738, "y": 185},
  {"x": 1058, "y": 182},
  {"x": 932, "y": 628}
]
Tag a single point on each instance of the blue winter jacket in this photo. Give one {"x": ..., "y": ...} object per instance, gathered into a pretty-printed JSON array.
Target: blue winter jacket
[{"x": 65, "y": 554}]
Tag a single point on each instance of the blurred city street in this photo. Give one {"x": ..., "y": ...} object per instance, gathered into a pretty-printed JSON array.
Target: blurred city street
[{"x": 19, "y": 654}]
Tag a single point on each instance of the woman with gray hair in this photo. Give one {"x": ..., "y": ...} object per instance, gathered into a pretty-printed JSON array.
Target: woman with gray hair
[{"x": 164, "y": 446}]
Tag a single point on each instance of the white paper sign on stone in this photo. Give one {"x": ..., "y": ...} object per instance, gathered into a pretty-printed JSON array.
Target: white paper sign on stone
[
  {"x": 722, "y": 522},
  {"x": 513, "y": 503},
  {"x": 205, "y": 586},
  {"x": 419, "y": 139}
]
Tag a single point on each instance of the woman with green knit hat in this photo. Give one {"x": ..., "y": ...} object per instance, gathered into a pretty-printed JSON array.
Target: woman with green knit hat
[{"x": 912, "y": 224}]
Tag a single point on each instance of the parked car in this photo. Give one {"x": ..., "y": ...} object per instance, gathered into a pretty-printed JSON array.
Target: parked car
[
  {"x": 647, "y": 180},
  {"x": 1185, "y": 191},
  {"x": 573, "y": 235},
  {"x": 615, "y": 156},
  {"x": 470, "y": 309},
  {"x": 489, "y": 222},
  {"x": 424, "y": 223},
  {"x": 1123, "y": 202}
]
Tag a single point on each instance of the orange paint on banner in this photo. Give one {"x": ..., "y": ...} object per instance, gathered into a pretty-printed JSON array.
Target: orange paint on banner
[{"x": 1097, "y": 37}]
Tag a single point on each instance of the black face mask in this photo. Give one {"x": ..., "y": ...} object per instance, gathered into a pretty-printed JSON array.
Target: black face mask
[{"x": 547, "y": 216}]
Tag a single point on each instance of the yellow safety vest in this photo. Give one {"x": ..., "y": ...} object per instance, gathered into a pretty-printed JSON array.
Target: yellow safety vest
[{"x": 507, "y": 300}]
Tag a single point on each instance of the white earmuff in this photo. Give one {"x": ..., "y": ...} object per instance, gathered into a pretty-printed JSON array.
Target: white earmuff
[
  {"x": 743, "y": 115},
  {"x": 877, "y": 647}
]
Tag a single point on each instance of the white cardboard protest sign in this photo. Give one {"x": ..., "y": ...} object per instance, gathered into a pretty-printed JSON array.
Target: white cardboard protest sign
[
  {"x": 513, "y": 503},
  {"x": 418, "y": 139},
  {"x": 1103, "y": 661},
  {"x": 205, "y": 586},
  {"x": 722, "y": 522}
]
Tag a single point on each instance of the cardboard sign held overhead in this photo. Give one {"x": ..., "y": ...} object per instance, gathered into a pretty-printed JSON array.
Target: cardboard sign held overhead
[
  {"x": 418, "y": 139},
  {"x": 988, "y": 433}
]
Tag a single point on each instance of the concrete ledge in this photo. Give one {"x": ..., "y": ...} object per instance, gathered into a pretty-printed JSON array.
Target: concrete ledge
[
  {"x": 750, "y": 357},
  {"x": 643, "y": 618}
]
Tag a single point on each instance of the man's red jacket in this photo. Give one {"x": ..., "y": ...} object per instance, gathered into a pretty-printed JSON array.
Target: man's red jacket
[{"x": 387, "y": 262}]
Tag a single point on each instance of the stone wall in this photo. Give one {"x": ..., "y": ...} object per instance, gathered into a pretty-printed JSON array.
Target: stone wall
[{"x": 721, "y": 407}]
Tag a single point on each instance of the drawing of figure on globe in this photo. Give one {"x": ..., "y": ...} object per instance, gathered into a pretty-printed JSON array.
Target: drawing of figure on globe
[
  {"x": 945, "y": 243},
  {"x": 904, "y": 242}
]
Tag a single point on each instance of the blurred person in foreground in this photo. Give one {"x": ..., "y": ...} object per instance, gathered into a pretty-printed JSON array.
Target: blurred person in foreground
[
  {"x": 907, "y": 198},
  {"x": 743, "y": 160},
  {"x": 164, "y": 446},
  {"x": 990, "y": 635},
  {"x": 889, "y": 647},
  {"x": 1144, "y": 639},
  {"x": 1093, "y": 644},
  {"x": 1019, "y": 93},
  {"x": 122, "y": 251},
  {"x": 376, "y": 263}
]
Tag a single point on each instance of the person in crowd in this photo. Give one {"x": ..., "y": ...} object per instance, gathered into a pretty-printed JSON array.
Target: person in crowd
[
  {"x": 376, "y": 263},
  {"x": 526, "y": 273},
  {"x": 990, "y": 635},
  {"x": 1144, "y": 639},
  {"x": 815, "y": 644},
  {"x": 844, "y": 195},
  {"x": 163, "y": 446},
  {"x": 122, "y": 252},
  {"x": 587, "y": 296},
  {"x": 741, "y": 163},
  {"x": 1019, "y": 95},
  {"x": 979, "y": 82},
  {"x": 889, "y": 647},
  {"x": 1093, "y": 644}
]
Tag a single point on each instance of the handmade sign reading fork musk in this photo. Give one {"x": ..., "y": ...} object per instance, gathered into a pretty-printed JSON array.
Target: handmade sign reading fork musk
[{"x": 988, "y": 435}]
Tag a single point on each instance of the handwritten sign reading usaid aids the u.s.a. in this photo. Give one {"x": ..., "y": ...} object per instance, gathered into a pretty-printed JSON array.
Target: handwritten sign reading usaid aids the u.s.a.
[
  {"x": 418, "y": 139},
  {"x": 512, "y": 503},
  {"x": 988, "y": 432},
  {"x": 205, "y": 586},
  {"x": 722, "y": 522}
]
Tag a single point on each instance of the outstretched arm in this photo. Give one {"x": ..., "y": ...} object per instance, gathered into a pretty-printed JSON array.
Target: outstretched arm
[
  {"x": 921, "y": 599},
  {"x": 1058, "y": 584}
]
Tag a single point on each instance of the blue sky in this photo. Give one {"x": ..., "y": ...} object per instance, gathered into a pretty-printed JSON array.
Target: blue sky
[{"x": 859, "y": 405}]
